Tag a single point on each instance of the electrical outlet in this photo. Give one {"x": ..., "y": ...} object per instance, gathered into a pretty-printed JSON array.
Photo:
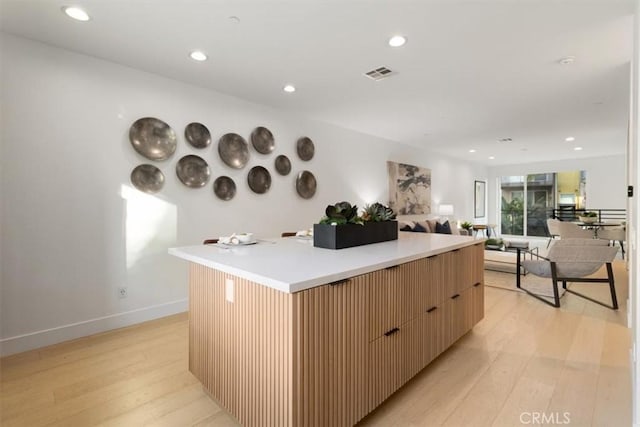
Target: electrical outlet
[
  {"x": 228, "y": 292},
  {"x": 122, "y": 292}
]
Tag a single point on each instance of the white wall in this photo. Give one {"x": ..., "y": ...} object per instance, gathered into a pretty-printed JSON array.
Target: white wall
[
  {"x": 633, "y": 258},
  {"x": 606, "y": 180},
  {"x": 73, "y": 230}
]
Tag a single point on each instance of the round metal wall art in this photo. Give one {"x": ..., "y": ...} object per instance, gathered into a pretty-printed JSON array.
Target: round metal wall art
[
  {"x": 197, "y": 135},
  {"x": 153, "y": 138},
  {"x": 306, "y": 184},
  {"x": 262, "y": 140},
  {"x": 233, "y": 150},
  {"x": 193, "y": 171},
  {"x": 224, "y": 188},
  {"x": 259, "y": 179},
  {"x": 147, "y": 178},
  {"x": 305, "y": 148},
  {"x": 283, "y": 164}
]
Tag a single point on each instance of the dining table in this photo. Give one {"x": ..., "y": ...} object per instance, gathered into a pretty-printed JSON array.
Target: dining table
[{"x": 595, "y": 226}]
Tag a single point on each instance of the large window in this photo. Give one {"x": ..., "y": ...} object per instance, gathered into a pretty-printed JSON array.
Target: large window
[{"x": 527, "y": 201}]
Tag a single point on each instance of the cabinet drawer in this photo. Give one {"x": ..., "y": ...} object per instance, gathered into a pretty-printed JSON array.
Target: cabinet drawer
[
  {"x": 432, "y": 333},
  {"x": 394, "y": 358},
  {"x": 459, "y": 314},
  {"x": 477, "y": 312}
]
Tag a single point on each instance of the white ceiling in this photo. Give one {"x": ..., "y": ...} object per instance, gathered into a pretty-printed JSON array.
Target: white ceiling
[{"x": 471, "y": 73}]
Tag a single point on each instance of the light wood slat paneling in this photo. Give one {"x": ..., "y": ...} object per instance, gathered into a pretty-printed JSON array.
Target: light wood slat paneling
[
  {"x": 477, "y": 313},
  {"x": 383, "y": 311},
  {"x": 242, "y": 351},
  {"x": 331, "y": 364},
  {"x": 321, "y": 357}
]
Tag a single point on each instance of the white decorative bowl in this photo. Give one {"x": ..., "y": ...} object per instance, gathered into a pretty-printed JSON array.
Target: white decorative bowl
[
  {"x": 588, "y": 219},
  {"x": 245, "y": 237}
]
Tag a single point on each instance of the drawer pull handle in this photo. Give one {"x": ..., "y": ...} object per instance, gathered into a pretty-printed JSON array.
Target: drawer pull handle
[
  {"x": 391, "y": 332},
  {"x": 340, "y": 282},
  {"x": 455, "y": 296},
  {"x": 477, "y": 284},
  {"x": 432, "y": 309}
]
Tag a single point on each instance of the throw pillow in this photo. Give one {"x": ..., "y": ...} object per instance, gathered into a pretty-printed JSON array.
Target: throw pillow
[
  {"x": 443, "y": 228},
  {"x": 420, "y": 229},
  {"x": 406, "y": 227},
  {"x": 425, "y": 225},
  {"x": 432, "y": 224}
]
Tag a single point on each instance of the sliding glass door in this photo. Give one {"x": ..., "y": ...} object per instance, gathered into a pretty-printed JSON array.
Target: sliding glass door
[
  {"x": 540, "y": 202},
  {"x": 512, "y": 206},
  {"x": 528, "y": 200}
]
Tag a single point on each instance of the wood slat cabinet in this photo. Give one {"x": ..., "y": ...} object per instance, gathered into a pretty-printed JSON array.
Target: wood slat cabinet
[
  {"x": 331, "y": 364},
  {"x": 331, "y": 354},
  {"x": 440, "y": 298}
]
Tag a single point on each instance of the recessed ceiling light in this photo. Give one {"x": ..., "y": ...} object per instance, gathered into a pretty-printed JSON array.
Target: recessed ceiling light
[
  {"x": 397, "y": 41},
  {"x": 289, "y": 88},
  {"x": 472, "y": 150},
  {"x": 197, "y": 55},
  {"x": 577, "y": 148},
  {"x": 570, "y": 139},
  {"x": 491, "y": 157},
  {"x": 567, "y": 60},
  {"x": 76, "y": 13}
]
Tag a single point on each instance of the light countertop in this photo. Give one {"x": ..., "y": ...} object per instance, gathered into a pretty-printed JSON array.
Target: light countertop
[{"x": 293, "y": 264}]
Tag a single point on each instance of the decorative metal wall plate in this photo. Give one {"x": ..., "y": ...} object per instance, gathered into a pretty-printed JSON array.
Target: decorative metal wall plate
[
  {"x": 283, "y": 165},
  {"x": 233, "y": 150},
  {"x": 197, "y": 135},
  {"x": 262, "y": 140},
  {"x": 306, "y": 184},
  {"x": 193, "y": 171},
  {"x": 153, "y": 138},
  {"x": 224, "y": 188},
  {"x": 147, "y": 178},
  {"x": 305, "y": 148},
  {"x": 259, "y": 179}
]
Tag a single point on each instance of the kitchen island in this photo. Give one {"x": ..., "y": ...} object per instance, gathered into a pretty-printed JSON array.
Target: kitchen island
[{"x": 285, "y": 334}]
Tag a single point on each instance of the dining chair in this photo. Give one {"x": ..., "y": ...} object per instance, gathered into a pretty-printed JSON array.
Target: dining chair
[
  {"x": 613, "y": 235},
  {"x": 210, "y": 241},
  {"x": 571, "y": 261},
  {"x": 568, "y": 230},
  {"x": 553, "y": 226}
]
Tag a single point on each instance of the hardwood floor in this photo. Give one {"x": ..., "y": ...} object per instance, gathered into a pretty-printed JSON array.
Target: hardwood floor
[{"x": 524, "y": 360}]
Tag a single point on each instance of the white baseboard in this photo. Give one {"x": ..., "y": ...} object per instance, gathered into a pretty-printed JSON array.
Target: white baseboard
[{"x": 59, "y": 334}]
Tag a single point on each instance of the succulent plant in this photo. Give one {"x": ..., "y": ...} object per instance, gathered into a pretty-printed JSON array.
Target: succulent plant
[
  {"x": 466, "y": 225},
  {"x": 377, "y": 212},
  {"x": 341, "y": 213}
]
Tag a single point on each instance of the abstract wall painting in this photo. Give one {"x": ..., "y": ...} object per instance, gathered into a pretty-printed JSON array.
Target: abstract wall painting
[{"x": 409, "y": 189}]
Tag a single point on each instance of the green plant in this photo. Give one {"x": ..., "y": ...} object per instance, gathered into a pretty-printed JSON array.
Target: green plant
[
  {"x": 466, "y": 225},
  {"x": 378, "y": 212},
  {"x": 341, "y": 213},
  {"x": 590, "y": 214},
  {"x": 493, "y": 242}
]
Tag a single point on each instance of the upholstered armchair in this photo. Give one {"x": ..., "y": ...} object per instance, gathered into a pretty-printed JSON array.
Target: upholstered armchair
[{"x": 571, "y": 260}]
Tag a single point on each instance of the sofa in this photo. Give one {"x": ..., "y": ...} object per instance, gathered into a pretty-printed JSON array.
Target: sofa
[{"x": 434, "y": 225}]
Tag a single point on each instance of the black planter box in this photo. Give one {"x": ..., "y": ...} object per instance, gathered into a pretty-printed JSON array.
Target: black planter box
[{"x": 348, "y": 235}]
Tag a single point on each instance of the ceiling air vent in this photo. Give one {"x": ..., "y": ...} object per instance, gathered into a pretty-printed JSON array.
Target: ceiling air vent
[{"x": 379, "y": 73}]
